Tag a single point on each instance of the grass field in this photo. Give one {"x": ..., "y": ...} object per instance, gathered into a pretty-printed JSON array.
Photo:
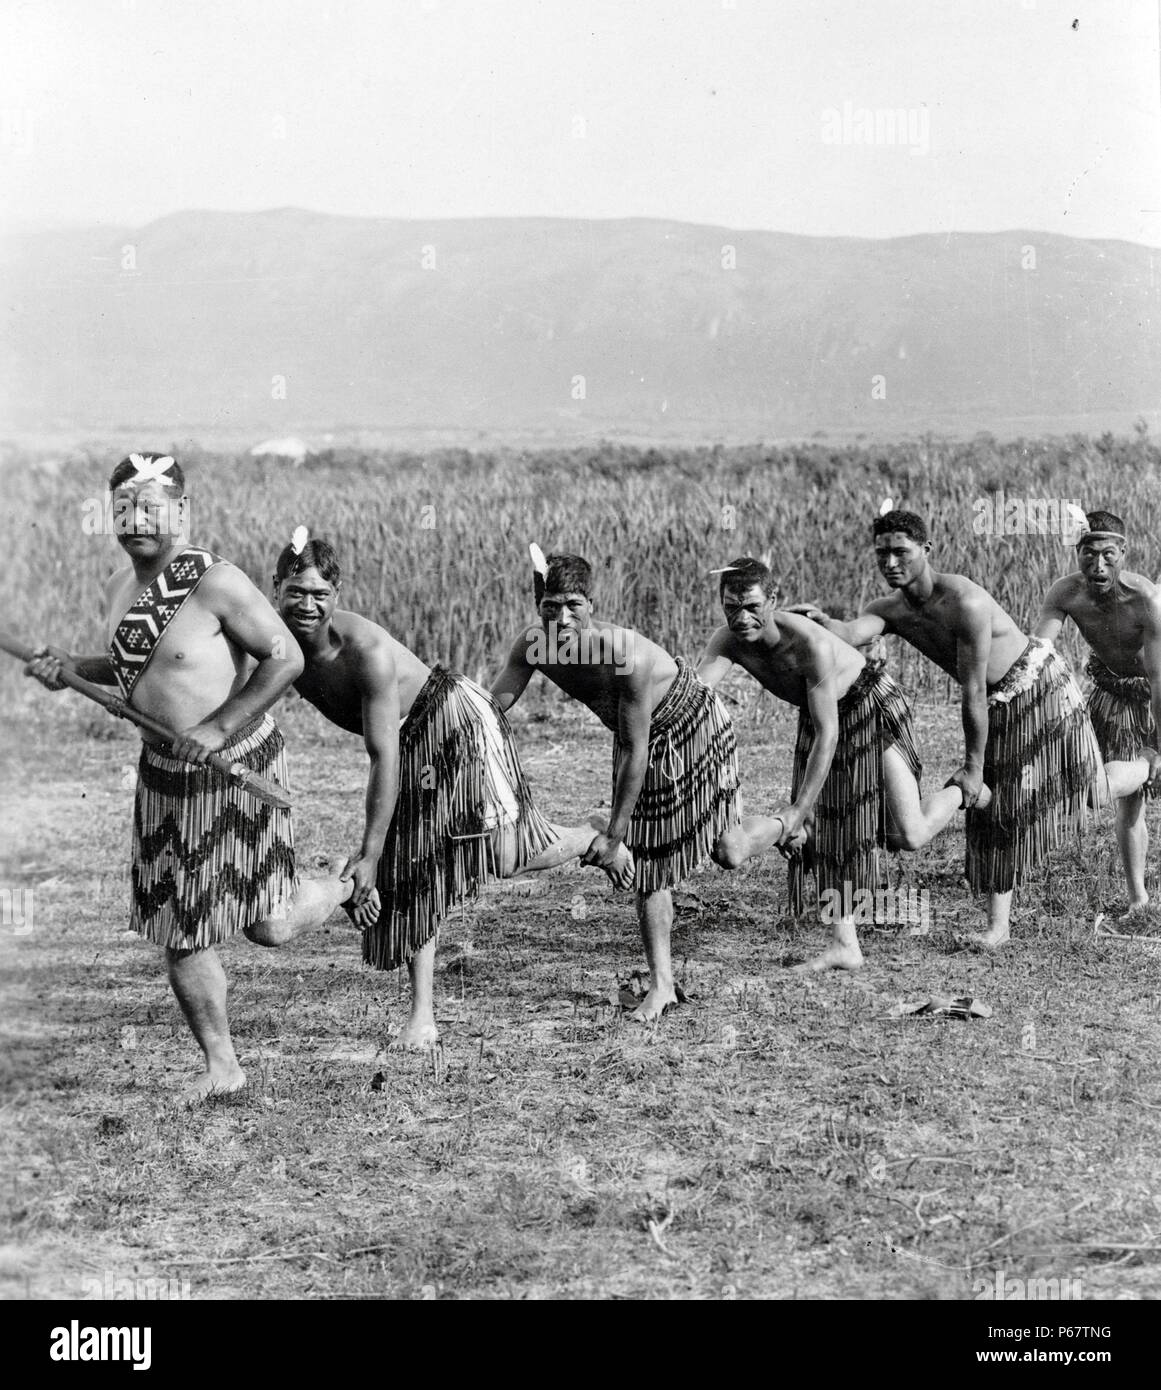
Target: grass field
[
  {"x": 436, "y": 547},
  {"x": 779, "y": 1136}
]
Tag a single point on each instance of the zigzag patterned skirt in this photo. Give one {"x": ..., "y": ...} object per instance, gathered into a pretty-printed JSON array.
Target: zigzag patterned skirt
[
  {"x": 1121, "y": 711},
  {"x": 690, "y": 794},
  {"x": 850, "y": 815},
  {"x": 208, "y": 858},
  {"x": 462, "y": 800},
  {"x": 1042, "y": 763}
]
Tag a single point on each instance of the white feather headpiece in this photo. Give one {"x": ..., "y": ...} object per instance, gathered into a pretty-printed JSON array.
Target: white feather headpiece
[
  {"x": 299, "y": 539},
  {"x": 151, "y": 470}
]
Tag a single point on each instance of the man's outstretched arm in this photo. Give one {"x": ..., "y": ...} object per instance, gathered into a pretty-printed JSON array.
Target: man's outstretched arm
[
  {"x": 1052, "y": 613},
  {"x": 1151, "y": 660},
  {"x": 379, "y": 685},
  {"x": 973, "y": 647},
  {"x": 510, "y": 684},
  {"x": 714, "y": 664},
  {"x": 48, "y": 662},
  {"x": 858, "y": 632},
  {"x": 822, "y": 706},
  {"x": 634, "y": 713}
]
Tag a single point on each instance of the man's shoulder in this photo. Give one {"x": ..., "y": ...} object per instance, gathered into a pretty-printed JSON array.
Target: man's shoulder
[
  {"x": 364, "y": 641},
  {"x": 225, "y": 584},
  {"x": 1140, "y": 585},
  {"x": 120, "y": 578},
  {"x": 966, "y": 594},
  {"x": 801, "y": 626},
  {"x": 1067, "y": 591}
]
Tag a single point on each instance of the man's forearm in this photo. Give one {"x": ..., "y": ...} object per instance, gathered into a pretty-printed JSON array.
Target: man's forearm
[
  {"x": 269, "y": 679},
  {"x": 630, "y": 780},
  {"x": 975, "y": 730},
  {"x": 382, "y": 795},
  {"x": 817, "y": 766}
]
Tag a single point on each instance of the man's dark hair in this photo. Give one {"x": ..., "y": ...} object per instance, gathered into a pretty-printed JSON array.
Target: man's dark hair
[
  {"x": 905, "y": 522},
  {"x": 316, "y": 554},
  {"x": 1104, "y": 521},
  {"x": 129, "y": 467},
  {"x": 567, "y": 574},
  {"x": 743, "y": 573}
]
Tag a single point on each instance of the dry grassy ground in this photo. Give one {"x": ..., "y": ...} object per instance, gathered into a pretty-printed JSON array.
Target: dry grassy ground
[{"x": 778, "y": 1137}]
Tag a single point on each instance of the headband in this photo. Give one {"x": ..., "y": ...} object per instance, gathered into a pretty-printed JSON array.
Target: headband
[{"x": 1101, "y": 536}]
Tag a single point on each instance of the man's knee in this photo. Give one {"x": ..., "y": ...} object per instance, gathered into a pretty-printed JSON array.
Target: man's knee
[
  {"x": 727, "y": 854},
  {"x": 904, "y": 839},
  {"x": 271, "y": 931}
]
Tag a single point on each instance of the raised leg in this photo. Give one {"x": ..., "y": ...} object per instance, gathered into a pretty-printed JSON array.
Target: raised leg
[
  {"x": 753, "y": 835},
  {"x": 1126, "y": 777},
  {"x": 914, "y": 821},
  {"x": 310, "y": 907},
  {"x": 199, "y": 982},
  {"x": 419, "y": 1033},
  {"x": 655, "y": 916},
  {"x": 570, "y": 843}
]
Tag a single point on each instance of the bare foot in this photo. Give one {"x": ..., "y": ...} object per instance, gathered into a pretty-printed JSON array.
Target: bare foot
[
  {"x": 416, "y": 1036},
  {"x": 1136, "y": 907},
  {"x": 985, "y": 941},
  {"x": 838, "y": 956},
  {"x": 218, "y": 1081},
  {"x": 655, "y": 1005}
]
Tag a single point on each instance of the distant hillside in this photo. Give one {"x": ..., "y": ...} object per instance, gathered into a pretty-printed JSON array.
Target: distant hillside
[{"x": 194, "y": 322}]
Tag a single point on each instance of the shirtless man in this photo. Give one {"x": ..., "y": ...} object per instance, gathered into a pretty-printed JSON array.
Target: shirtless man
[
  {"x": 1118, "y": 614},
  {"x": 675, "y": 774},
  {"x": 1026, "y": 732},
  {"x": 856, "y": 767},
  {"x": 447, "y": 806},
  {"x": 194, "y": 644}
]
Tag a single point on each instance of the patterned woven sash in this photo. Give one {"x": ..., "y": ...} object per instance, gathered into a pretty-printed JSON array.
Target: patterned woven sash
[{"x": 141, "y": 629}]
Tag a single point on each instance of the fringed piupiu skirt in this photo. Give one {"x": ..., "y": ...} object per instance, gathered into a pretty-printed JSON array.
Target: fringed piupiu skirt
[
  {"x": 208, "y": 857},
  {"x": 1042, "y": 763},
  {"x": 689, "y": 798},
  {"x": 850, "y": 815},
  {"x": 1121, "y": 711},
  {"x": 462, "y": 794}
]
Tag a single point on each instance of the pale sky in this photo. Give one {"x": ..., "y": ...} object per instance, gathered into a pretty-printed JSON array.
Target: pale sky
[{"x": 742, "y": 113}]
